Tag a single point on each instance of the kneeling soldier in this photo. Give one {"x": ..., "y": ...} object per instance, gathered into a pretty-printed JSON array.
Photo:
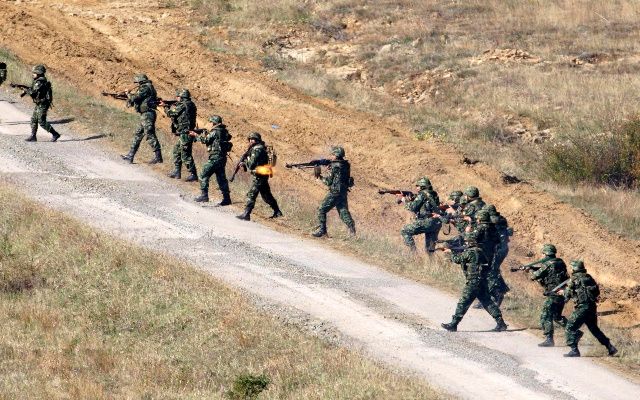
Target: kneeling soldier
[
  {"x": 339, "y": 182},
  {"x": 424, "y": 205},
  {"x": 258, "y": 156},
  {"x": 584, "y": 291},
  {"x": 218, "y": 142},
  {"x": 183, "y": 116}
]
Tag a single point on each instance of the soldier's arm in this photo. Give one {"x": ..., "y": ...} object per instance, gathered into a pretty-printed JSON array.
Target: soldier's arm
[
  {"x": 569, "y": 290},
  {"x": 250, "y": 162},
  {"x": 415, "y": 204},
  {"x": 175, "y": 110},
  {"x": 333, "y": 174},
  {"x": 139, "y": 95},
  {"x": 540, "y": 273}
]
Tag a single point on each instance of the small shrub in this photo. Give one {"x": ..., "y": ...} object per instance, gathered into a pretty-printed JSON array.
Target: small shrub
[{"x": 248, "y": 387}]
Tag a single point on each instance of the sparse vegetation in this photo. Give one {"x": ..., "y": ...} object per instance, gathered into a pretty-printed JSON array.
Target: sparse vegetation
[{"x": 86, "y": 316}]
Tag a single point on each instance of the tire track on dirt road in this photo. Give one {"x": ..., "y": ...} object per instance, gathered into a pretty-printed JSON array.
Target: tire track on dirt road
[{"x": 390, "y": 319}]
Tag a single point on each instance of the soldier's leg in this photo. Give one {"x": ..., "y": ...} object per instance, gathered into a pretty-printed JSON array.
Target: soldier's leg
[
  {"x": 42, "y": 121},
  {"x": 207, "y": 171},
  {"x": 177, "y": 160},
  {"x": 34, "y": 124},
  {"x": 591, "y": 320},
  {"x": 546, "y": 317},
  {"x": 327, "y": 204},
  {"x": 557, "y": 311},
  {"x": 187, "y": 158},
  {"x": 252, "y": 195},
  {"x": 431, "y": 235},
  {"x": 409, "y": 231},
  {"x": 149, "y": 127},
  {"x": 491, "y": 307},
  {"x": 469, "y": 294},
  {"x": 267, "y": 196},
  {"x": 342, "y": 205},
  {"x": 574, "y": 322}
]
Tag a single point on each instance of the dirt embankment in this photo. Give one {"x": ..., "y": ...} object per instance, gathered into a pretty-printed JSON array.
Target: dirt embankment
[{"x": 98, "y": 45}]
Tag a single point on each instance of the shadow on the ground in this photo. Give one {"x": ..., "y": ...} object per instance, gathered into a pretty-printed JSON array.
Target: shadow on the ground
[
  {"x": 94, "y": 137},
  {"x": 53, "y": 122}
]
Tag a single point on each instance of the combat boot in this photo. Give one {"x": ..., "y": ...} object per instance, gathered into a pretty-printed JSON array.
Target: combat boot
[
  {"x": 157, "y": 159},
  {"x": 226, "y": 200},
  {"x": 612, "y": 350},
  {"x": 451, "y": 326},
  {"x": 192, "y": 177},
  {"x": 246, "y": 215},
  {"x": 55, "y": 135},
  {"x": 203, "y": 198},
  {"x": 321, "y": 231},
  {"x": 351, "y": 230},
  {"x": 501, "y": 326},
  {"x": 548, "y": 342},
  {"x": 177, "y": 174},
  {"x": 573, "y": 353},
  {"x": 31, "y": 138},
  {"x": 131, "y": 154},
  {"x": 276, "y": 213}
]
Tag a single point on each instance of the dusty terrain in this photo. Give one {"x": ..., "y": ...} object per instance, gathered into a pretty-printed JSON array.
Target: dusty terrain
[{"x": 339, "y": 298}]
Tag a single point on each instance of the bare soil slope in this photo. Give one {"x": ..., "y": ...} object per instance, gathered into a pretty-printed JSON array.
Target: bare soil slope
[{"x": 100, "y": 45}]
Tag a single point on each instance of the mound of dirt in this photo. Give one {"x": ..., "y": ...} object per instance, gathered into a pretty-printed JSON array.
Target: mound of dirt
[{"x": 506, "y": 56}]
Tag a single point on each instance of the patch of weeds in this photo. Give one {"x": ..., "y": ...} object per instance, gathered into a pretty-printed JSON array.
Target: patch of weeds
[{"x": 248, "y": 387}]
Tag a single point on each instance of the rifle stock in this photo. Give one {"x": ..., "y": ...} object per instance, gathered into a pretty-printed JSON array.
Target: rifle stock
[{"x": 240, "y": 164}]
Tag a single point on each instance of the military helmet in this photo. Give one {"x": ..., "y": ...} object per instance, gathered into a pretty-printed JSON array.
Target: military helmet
[
  {"x": 472, "y": 191},
  {"x": 491, "y": 209},
  {"x": 216, "y": 119},
  {"x": 549, "y": 250},
  {"x": 183, "y": 93},
  {"x": 255, "y": 136},
  {"x": 483, "y": 217},
  {"x": 140, "y": 78},
  {"x": 455, "y": 195},
  {"x": 423, "y": 182},
  {"x": 463, "y": 201},
  {"x": 578, "y": 266},
  {"x": 39, "y": 69},
  {"x": 338, "y": 151},
  {"x": 3, "y": 65}
]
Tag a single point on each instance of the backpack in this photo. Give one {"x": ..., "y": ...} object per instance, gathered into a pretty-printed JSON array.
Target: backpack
[{"x": 273, "y": 156}]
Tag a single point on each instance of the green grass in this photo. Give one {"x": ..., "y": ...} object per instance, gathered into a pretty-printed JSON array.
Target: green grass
[{"x": 83, "y": 315}]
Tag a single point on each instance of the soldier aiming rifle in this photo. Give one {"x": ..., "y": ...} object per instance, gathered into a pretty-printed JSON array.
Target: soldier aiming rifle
[{"x": 41, "y": 93}]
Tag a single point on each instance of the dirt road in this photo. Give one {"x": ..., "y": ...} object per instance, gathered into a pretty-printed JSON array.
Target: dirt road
[{"x": 390, "y": 319}]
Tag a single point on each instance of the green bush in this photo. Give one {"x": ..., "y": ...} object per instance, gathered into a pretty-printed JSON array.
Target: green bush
[
  {"x": 248, "y": 387},
  {"x": 610, "y": 158}
]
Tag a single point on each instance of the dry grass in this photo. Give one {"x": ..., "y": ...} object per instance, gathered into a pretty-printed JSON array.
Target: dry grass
[{"x": 100, "y": 319}]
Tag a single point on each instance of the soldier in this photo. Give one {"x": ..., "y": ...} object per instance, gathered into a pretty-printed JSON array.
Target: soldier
[
  {"x": 473, "y": 204},
  {"x": 218, "y": 142},
  {"x": 551, "y": 273},
  {"x": 3, "y": 73},
  {"x": 183, "y": 116},
  {"x": 258, "y": 157},
  {"x": 425, "y": 205},
  {"x": 584, "y": 291},
  {"x": 42, "y": 95},
  {"x": 144, "y": 100},
  {"x": 475, "y": 267},
  {"x": 497, "y": 285},
  {"x": 339, "y": 181}
]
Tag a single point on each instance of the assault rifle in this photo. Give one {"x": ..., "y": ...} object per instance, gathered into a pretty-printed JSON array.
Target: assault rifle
[
  {"x": 530, "y": 267},
  {"x": 166, "y": 103},
  {"x": 404, "y": 193},
  {"x": 20, "y": 86},
  {"x": 197, "y": 131},
  {"x": 323, "y": 162},
  {"x": 557, "y": 288},
  {"x": 117, "y": 95},
  {"x": 241, "y": 164}
]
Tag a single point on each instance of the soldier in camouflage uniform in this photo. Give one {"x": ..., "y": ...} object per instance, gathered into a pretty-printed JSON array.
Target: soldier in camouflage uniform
[
  {"x": 475, "y": 267},
  {"x": 584, "y": 291},
  {"x": 339, "y": 181},
  {"x": 258, "y": 156},
  {"x": 497, "y": 285},
  {"x": 42, "y": 95},
  {"x": 218, "y": 142},
  {"x": 473, "y": 204},
  {"x": 552, "y": 271},
  {"x": 426, "y": 206},
  {"x": 183, "y": 116},
  {"x": 3, "y": 73},
  {"x": 144, "y": 100}
]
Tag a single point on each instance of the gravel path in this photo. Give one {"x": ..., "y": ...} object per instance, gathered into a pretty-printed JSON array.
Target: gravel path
[{"x": 389, "y": 318}]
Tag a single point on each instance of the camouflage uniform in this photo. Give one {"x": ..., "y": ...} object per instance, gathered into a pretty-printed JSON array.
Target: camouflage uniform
[
  {"x": 584, "y": 291},
  {"x": 3, "y": 73},
  {"x": 339, "y": 181},
  {"x": 260, "y": 185},
  {"x": 144, "y": 100},
  {"x": 423, "y": 205},
  {"x": 551, "y": 273},
  {"x": 497, "y": 285},
  {"x": 42, "y": 95},
  {"x": 474, "y": 203},
  {"x": 475, "y": 267},
  {"x": 218, "y": 144},
  {"x": 183, "y": 116}
]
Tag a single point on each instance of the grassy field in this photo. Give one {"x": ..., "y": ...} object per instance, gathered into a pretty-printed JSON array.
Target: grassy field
[{"x": 86, "y": 316}]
